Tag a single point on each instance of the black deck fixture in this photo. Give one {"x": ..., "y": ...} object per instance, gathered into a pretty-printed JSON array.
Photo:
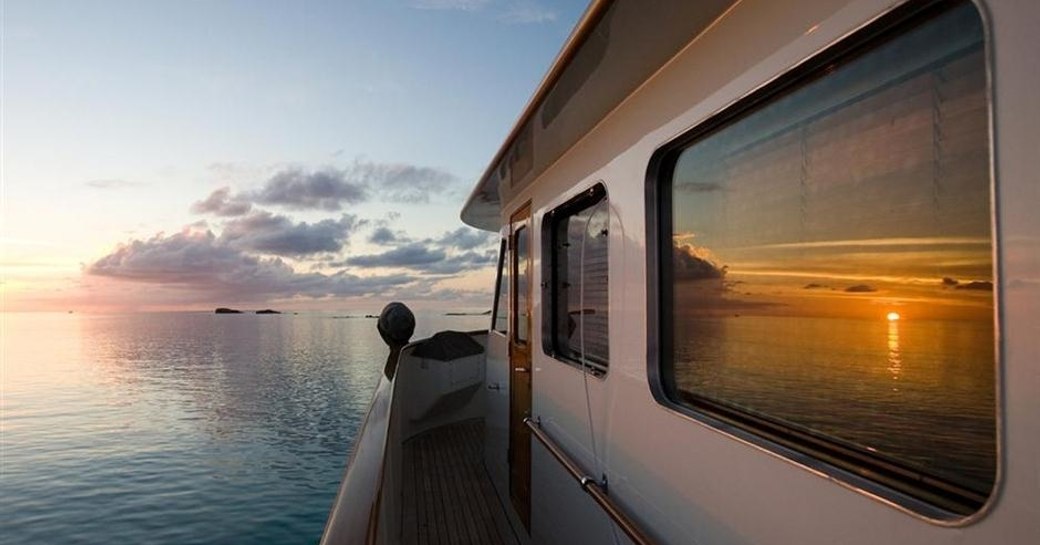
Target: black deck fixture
[
  {"x": 447, "y": 346},
  {"x": 396, "y": 325}
]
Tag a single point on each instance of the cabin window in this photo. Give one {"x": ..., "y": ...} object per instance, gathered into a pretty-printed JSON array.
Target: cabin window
[
  {"x": 825, "y": 266},
  {"x": 577, "y": 318},
  {"x": 520, "y": 273},
  {"x": 500, "y": 321}
]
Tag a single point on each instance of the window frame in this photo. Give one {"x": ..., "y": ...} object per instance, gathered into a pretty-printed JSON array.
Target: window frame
[
  {"x": 581, "y": 201},
  {"x": 502, "y": 254},
  {"x": 880, "y": 481},
  {"x": 514, "y": 285}
]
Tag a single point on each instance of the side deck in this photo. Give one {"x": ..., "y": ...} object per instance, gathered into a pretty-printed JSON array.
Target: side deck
[{"x": 447, "y": 496}]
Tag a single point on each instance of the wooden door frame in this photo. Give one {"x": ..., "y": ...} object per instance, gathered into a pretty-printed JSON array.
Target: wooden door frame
[{"x": 520, "y": 377}]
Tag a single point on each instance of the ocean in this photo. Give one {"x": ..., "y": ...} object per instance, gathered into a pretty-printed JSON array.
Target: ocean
[
  {"x": 182, "y": 428},
  {"x": 196, "y": 428}
]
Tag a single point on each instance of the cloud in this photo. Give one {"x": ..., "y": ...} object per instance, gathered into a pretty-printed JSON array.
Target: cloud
[
  {"x": 203, "y": 262},
  {"x": 418, "y": 257},
  {"x": 693, "y": 263},
  {"x": 330, "y": 188},
  {"x": 467, "y": 238},
  {"x": 399, "y": 182},
  {"x": 460, "y": 5},
  {"x": 527, "y": 12},
  {"x": 243, "y": 260},
  {"x": 187, "y": 257},
  {"x": 977, "y": 285},
  {"x": 266, "y": 233},
  {"x": 220, "y": 203},
  {"x": 974, "y": 285},
  {"x": 112, "y": 184},
  {"x": 414, "y": 255},
  {"x": 299, "y": 189},
  {"x": 461, "y": 239},
  {"x": 384, "y": 236},
  {"x": 466, "y": 261},
  {"x": 861, "y": 288},
  {"x": 453, "y": 252}
]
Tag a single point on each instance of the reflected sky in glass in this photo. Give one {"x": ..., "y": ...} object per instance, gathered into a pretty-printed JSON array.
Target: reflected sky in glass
[{"x": 832, "y": 256}]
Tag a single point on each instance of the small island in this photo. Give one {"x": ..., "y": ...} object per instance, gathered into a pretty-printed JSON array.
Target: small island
[
  {"x": 225, "y": 310},
  {"x": 267, "y": 311}
]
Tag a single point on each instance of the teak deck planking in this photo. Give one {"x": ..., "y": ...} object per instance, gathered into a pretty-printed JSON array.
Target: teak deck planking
[{"x": 448, "y": 498}]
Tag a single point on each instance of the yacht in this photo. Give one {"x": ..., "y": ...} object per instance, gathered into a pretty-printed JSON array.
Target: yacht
[{"x": 769, "y": 274}]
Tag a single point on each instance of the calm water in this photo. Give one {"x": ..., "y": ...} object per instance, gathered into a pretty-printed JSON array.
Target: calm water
[{"x": 182, "y": 428}]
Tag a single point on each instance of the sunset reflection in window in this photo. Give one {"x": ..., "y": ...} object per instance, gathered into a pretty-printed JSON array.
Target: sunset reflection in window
[{"x": 831, "y": 266}]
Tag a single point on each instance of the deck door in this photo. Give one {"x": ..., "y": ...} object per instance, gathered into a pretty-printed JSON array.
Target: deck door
[{"x": 520, "y": 363}]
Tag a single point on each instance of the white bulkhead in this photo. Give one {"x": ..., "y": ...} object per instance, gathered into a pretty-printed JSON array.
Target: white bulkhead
[{"x": 688, "y": 479}]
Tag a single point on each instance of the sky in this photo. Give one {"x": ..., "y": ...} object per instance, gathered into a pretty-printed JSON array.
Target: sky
[{"x": 304, "y": 155}]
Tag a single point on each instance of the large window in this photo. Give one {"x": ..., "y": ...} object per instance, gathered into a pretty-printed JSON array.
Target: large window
[
  {"x": 577, "y": 234},
  {"x": 826, "y": 263}
]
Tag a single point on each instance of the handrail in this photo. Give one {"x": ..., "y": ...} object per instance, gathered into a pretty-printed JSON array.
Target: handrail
[
  {"x": 354, "y": 513},
  {"x": 354, "y": 516},
  {"x": 590, "y": 486}
]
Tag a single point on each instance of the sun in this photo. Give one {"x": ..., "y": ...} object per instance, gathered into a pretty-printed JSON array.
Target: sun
[{"x": 893, "y": 316}]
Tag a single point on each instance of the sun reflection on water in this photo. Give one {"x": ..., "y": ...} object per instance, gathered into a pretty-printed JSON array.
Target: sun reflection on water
[{"x": 895, "y": 361}]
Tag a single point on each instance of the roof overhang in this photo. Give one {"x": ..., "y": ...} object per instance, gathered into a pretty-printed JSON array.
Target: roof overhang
[{"x": 616, "y": 46}]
